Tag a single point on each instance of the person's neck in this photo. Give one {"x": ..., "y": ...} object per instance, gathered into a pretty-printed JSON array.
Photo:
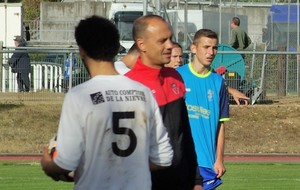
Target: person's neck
[
  {"x": 101, "y": 68},
  {"x": 129, "y": 60},
  {"x": 150, "y": 64},
  {"x": 200, "y": 68}
]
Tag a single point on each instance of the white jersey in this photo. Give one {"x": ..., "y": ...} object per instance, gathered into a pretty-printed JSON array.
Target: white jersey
[
  {"x": 121, "y": 67},
  {"x": 110, "y": 127}
]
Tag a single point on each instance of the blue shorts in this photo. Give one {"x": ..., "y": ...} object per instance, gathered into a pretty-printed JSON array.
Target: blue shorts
[{"x": 210, "y": 180}]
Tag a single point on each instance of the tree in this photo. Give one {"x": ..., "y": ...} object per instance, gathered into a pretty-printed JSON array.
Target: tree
[{"x": 31, "y": 9}]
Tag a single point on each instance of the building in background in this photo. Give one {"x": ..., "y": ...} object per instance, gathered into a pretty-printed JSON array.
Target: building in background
[{"x": 11, "y": 22}]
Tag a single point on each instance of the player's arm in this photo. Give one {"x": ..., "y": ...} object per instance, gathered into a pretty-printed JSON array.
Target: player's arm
[
  {"x": 161, "y": 152},
  {"x": 248, "y": 40},
  {"x": 49, "y": 166},
  {"x": 237, "y": 96},
  {"x": 15, "y": 58},
  {"x": 219, "y": 166},
  {"x": 233, "y": 39},
  {"x": 224, "y": 116}
]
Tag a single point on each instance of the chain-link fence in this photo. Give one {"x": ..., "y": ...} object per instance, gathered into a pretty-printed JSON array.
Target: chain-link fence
[
  {"x": 262, "y": 75},
  {"x": 270, "y": 75},
  {"x": 53, "y": 72}
]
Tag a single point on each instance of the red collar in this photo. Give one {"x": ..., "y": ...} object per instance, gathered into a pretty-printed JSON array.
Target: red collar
[{"x": 144, "y": 70}]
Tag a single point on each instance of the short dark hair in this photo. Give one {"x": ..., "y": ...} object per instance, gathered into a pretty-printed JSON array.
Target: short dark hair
[
  {"x": 141, "y": 24},
  {"x": 236, "y": 21},
  {"x": 98, "y": 37},
  {"x": 204, "y": 33},
  {"x": 175, "y": 44}
]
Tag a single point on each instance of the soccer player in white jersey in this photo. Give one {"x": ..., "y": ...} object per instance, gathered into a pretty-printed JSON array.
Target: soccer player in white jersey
[{"x": 110, "y": 132}]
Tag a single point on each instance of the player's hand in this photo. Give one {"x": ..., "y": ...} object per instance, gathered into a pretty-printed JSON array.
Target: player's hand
[
  {"x": 238, "y": 96},
  {"x": 198, "y": 187},
  {"x": 243, "y": 99},
  {"x": 46, "y": 157},
  {"x": 219, "y": 169},
  {"x": 46, "y": 164}
]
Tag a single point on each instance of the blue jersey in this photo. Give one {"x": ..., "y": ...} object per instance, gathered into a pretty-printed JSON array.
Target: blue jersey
[{"x": 207, "y": 103}]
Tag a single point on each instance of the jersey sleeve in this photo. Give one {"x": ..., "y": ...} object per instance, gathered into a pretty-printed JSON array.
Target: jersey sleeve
[
  {"x": 161, "y": 152},
  {"x": 224, "y": 103},
  {"x": 71, "y": 147}
]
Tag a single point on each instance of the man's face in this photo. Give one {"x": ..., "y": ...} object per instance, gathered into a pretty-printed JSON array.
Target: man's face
[
  {"x": 232, "y": 25},
  {"x": 156, "y": 44},
  {"x": 205, "y": 50},
  {"x": 176, "y": 58},
  {"x": 16, "y": 43}
]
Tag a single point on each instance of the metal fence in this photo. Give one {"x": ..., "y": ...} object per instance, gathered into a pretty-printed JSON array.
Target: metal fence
[
  {"x": 53, "y": 72},
  {"x": 269, "y": 75},
  {"x": 262, "y": 75}
]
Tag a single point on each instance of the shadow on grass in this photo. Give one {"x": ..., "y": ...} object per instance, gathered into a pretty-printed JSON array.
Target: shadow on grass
[{"x": 9, "y": 106}]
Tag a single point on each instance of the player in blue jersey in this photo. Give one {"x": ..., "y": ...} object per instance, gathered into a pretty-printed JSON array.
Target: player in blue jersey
[{"x": 208, "y": 107}]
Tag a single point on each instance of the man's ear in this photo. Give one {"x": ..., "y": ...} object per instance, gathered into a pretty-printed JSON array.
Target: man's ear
[
  {"x": 140, "y": 43},
  {"x": 193, "y": 48}
]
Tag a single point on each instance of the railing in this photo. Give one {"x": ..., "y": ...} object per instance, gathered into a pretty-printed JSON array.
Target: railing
[
  {"x": 44, "y": 75},
  {"x": 266, "y": 75},
  {"x": 51, "y": 74}
]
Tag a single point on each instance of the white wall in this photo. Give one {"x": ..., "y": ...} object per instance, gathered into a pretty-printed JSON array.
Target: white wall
[
  {"x": 10, "y": 22},
  {"x": 58, "y": 19}
]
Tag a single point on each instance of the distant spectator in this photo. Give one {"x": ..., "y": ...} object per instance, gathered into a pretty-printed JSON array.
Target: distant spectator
[
  {"x": 239, "y": 38},
  {"x": 20, "y": 64},
  {"x": 67, "y": 64},
  {"x": 26, "y": 31},
  {"x": 69, "y": 68}
]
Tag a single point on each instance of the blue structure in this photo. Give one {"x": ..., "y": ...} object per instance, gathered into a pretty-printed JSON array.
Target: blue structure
[
  {"x": 282, "y": 24},
  {"x": 279, "y": 13}
]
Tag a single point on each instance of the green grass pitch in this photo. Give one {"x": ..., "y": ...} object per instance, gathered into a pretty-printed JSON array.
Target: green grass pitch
[
  {"x": 261, "y": 176},
  {"x": 21, "y": 175},
  {"x": 16, "y": 175}
]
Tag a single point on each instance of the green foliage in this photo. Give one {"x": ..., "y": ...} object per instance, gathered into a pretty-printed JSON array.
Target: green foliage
[{"x": 31, "y": 9}]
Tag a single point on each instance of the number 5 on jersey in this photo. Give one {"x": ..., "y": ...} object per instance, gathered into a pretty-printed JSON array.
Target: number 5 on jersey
[{"x": 123, "y": 131}]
